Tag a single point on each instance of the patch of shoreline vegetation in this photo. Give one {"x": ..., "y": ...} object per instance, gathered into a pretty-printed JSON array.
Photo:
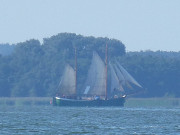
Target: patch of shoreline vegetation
[
  {"x": 152, "y": 102},
  {"x": 20, "y": 101}
]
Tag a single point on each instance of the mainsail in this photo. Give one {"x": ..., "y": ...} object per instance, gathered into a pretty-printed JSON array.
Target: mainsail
[
  {"x": 67, "y": 84},
  {"x": 118, "y": 79},
  {"x": 96, "y": 81}
]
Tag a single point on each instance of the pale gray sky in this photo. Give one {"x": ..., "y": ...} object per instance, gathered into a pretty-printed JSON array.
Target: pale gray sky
[{"x": 139, "y": 24}]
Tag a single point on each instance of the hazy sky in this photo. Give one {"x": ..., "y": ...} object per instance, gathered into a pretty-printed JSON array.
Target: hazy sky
[{"x": 139, "y": 24}]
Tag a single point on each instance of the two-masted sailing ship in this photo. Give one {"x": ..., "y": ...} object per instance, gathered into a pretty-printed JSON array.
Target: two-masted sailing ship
[{"x": 105, "y": 85}]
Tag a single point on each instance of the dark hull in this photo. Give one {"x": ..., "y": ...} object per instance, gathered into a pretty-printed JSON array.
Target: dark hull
[{"x": 90, "y": 103}]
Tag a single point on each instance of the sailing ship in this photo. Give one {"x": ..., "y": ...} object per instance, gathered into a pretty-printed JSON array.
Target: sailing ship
[{"x": 105, "y": 85}]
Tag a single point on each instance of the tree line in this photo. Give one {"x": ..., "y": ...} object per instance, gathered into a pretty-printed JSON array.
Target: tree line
[{"x": 34, "y": 69}]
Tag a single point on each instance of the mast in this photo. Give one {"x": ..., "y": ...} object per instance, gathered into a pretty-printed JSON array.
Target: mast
[
  {"x": 106, "y": 70},
  {"x": 75, "y": 72}
]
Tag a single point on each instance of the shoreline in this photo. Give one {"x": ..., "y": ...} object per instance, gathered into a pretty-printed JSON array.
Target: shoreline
[{"x": 130, "y": 102}]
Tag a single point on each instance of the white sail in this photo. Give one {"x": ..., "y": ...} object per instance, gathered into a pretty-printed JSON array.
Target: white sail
[
  {"x": 116, "y": 83},
  {"x": 120, "y": 79},
  {"x": 96, "y": 80},
  {"x": 127, "y": 76},
  {"x": 67, "y": 84},
  {"x": 119, "y": 75}
]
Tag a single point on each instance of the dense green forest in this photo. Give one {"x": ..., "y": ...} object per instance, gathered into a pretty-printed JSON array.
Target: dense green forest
[
  {"x": 34, "y": 69},
  {"x": 6, "y": 49}
]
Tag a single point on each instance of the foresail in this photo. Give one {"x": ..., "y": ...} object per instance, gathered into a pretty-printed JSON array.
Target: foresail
[
  {"x": 119, "y": 74},
  {"x": 127, "y": 76},
  {"x": 120, "y": 81},
  {"x": 67, "y": 85},
  {"x": 116, "y": 82},
  {"x": 95, "y": 83}
]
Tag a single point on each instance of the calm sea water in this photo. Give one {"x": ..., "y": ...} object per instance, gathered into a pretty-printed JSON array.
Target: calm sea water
[{"x": 35, "y": 120}]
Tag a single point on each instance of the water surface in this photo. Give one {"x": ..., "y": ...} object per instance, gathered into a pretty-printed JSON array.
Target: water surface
[{"x": 43, "y": 120}]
